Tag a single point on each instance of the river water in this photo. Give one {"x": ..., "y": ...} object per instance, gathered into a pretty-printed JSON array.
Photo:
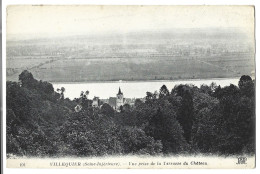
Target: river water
[{"x": 132, "y": 89}]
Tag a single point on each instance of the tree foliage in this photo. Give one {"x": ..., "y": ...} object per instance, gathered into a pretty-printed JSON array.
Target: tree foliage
[{"x": 208, "y": 119}]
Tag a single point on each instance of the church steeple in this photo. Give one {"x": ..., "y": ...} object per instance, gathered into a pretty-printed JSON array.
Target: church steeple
[
  {"x": 119, "y": 99},
  {"x": 119, "y": 92}
]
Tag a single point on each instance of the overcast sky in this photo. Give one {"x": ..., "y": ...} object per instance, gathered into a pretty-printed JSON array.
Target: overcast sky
[{"x": 89, "y": 20}]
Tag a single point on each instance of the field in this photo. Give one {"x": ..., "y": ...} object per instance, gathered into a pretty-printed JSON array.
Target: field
[
  {"x": 132, "y": 57},
  {"x": 80, "y": 70}
]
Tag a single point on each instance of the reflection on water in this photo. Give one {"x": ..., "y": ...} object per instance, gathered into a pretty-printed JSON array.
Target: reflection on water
[{"x": 131, "y": 89}]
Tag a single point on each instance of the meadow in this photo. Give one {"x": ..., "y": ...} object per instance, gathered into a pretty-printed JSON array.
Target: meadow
[{"x": 60, "y": 69}]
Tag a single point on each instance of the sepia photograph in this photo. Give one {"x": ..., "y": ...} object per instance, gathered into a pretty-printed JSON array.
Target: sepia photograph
[{"x": 130, "y": 86}]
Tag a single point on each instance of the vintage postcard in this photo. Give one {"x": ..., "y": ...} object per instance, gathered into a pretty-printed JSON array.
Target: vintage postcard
[{"x": 130, "y": 86}]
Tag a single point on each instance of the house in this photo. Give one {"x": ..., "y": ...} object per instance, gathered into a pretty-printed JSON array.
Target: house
[{"x": 95, "y": 102}]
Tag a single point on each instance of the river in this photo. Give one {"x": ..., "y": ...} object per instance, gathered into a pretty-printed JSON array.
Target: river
[{"x": 132, "y": 89}]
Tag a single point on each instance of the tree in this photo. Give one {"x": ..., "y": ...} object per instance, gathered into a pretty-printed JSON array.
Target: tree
[
  {"x": 163, "y": 126},
  {"x": 27, "y": 80},
  {"x": 30, "y": 115},
  {"x": 206, "y": 89},
  {"x": 62, "y": 90},
  {"x": 227, "y": 90},
  {"x": 205, "y": 132},
  {"x": 25, "y": 77},
  {"x": 86, "y": 93},
  {"x": 84, "y": 100},
  {"x": 90, "y": 134},
  {"x": 246, "y": 85},
  {"x": 156, "y": 95},
  {"x": 205, "y": 129},
  {"x": 121, "y": 108},
  {"x": 213, "y": 86},
  {"x": 185, "y": 114},
  {"x": 238, "y": 123},
  {"x": 138, "y": 102},
  {"x": 126, "y": 107},
  {"x": 163, "y": 92},
  {"x": 107, "y": 110},
  {"x": 135, "y": 141},
  {"x": 244, "y": 80}
]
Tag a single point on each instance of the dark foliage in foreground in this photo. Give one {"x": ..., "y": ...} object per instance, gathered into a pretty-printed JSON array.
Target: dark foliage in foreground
[{"x": 209, "y": 119}]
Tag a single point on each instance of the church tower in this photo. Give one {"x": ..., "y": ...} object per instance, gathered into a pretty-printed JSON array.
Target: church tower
[{"x": 119, "y": 99}]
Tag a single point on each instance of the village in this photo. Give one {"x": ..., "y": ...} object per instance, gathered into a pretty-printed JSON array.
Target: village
[{"x": 117, "y": 103}]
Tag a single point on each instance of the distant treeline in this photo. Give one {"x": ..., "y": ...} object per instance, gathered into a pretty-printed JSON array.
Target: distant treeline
[{"x": 186, "y": 120}]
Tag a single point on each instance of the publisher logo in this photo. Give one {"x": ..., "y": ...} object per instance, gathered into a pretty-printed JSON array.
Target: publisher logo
[{"x": 241, "y": 160}]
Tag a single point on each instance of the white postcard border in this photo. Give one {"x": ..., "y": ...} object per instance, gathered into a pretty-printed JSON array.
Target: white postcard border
[{"x": 151, "y": 2}]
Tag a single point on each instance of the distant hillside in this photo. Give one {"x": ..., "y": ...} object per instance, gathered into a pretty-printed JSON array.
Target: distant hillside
[{"x": 172, "y": 54}]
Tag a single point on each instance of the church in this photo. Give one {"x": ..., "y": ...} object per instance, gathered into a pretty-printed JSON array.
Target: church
[{"x": 116, "y": 102}]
